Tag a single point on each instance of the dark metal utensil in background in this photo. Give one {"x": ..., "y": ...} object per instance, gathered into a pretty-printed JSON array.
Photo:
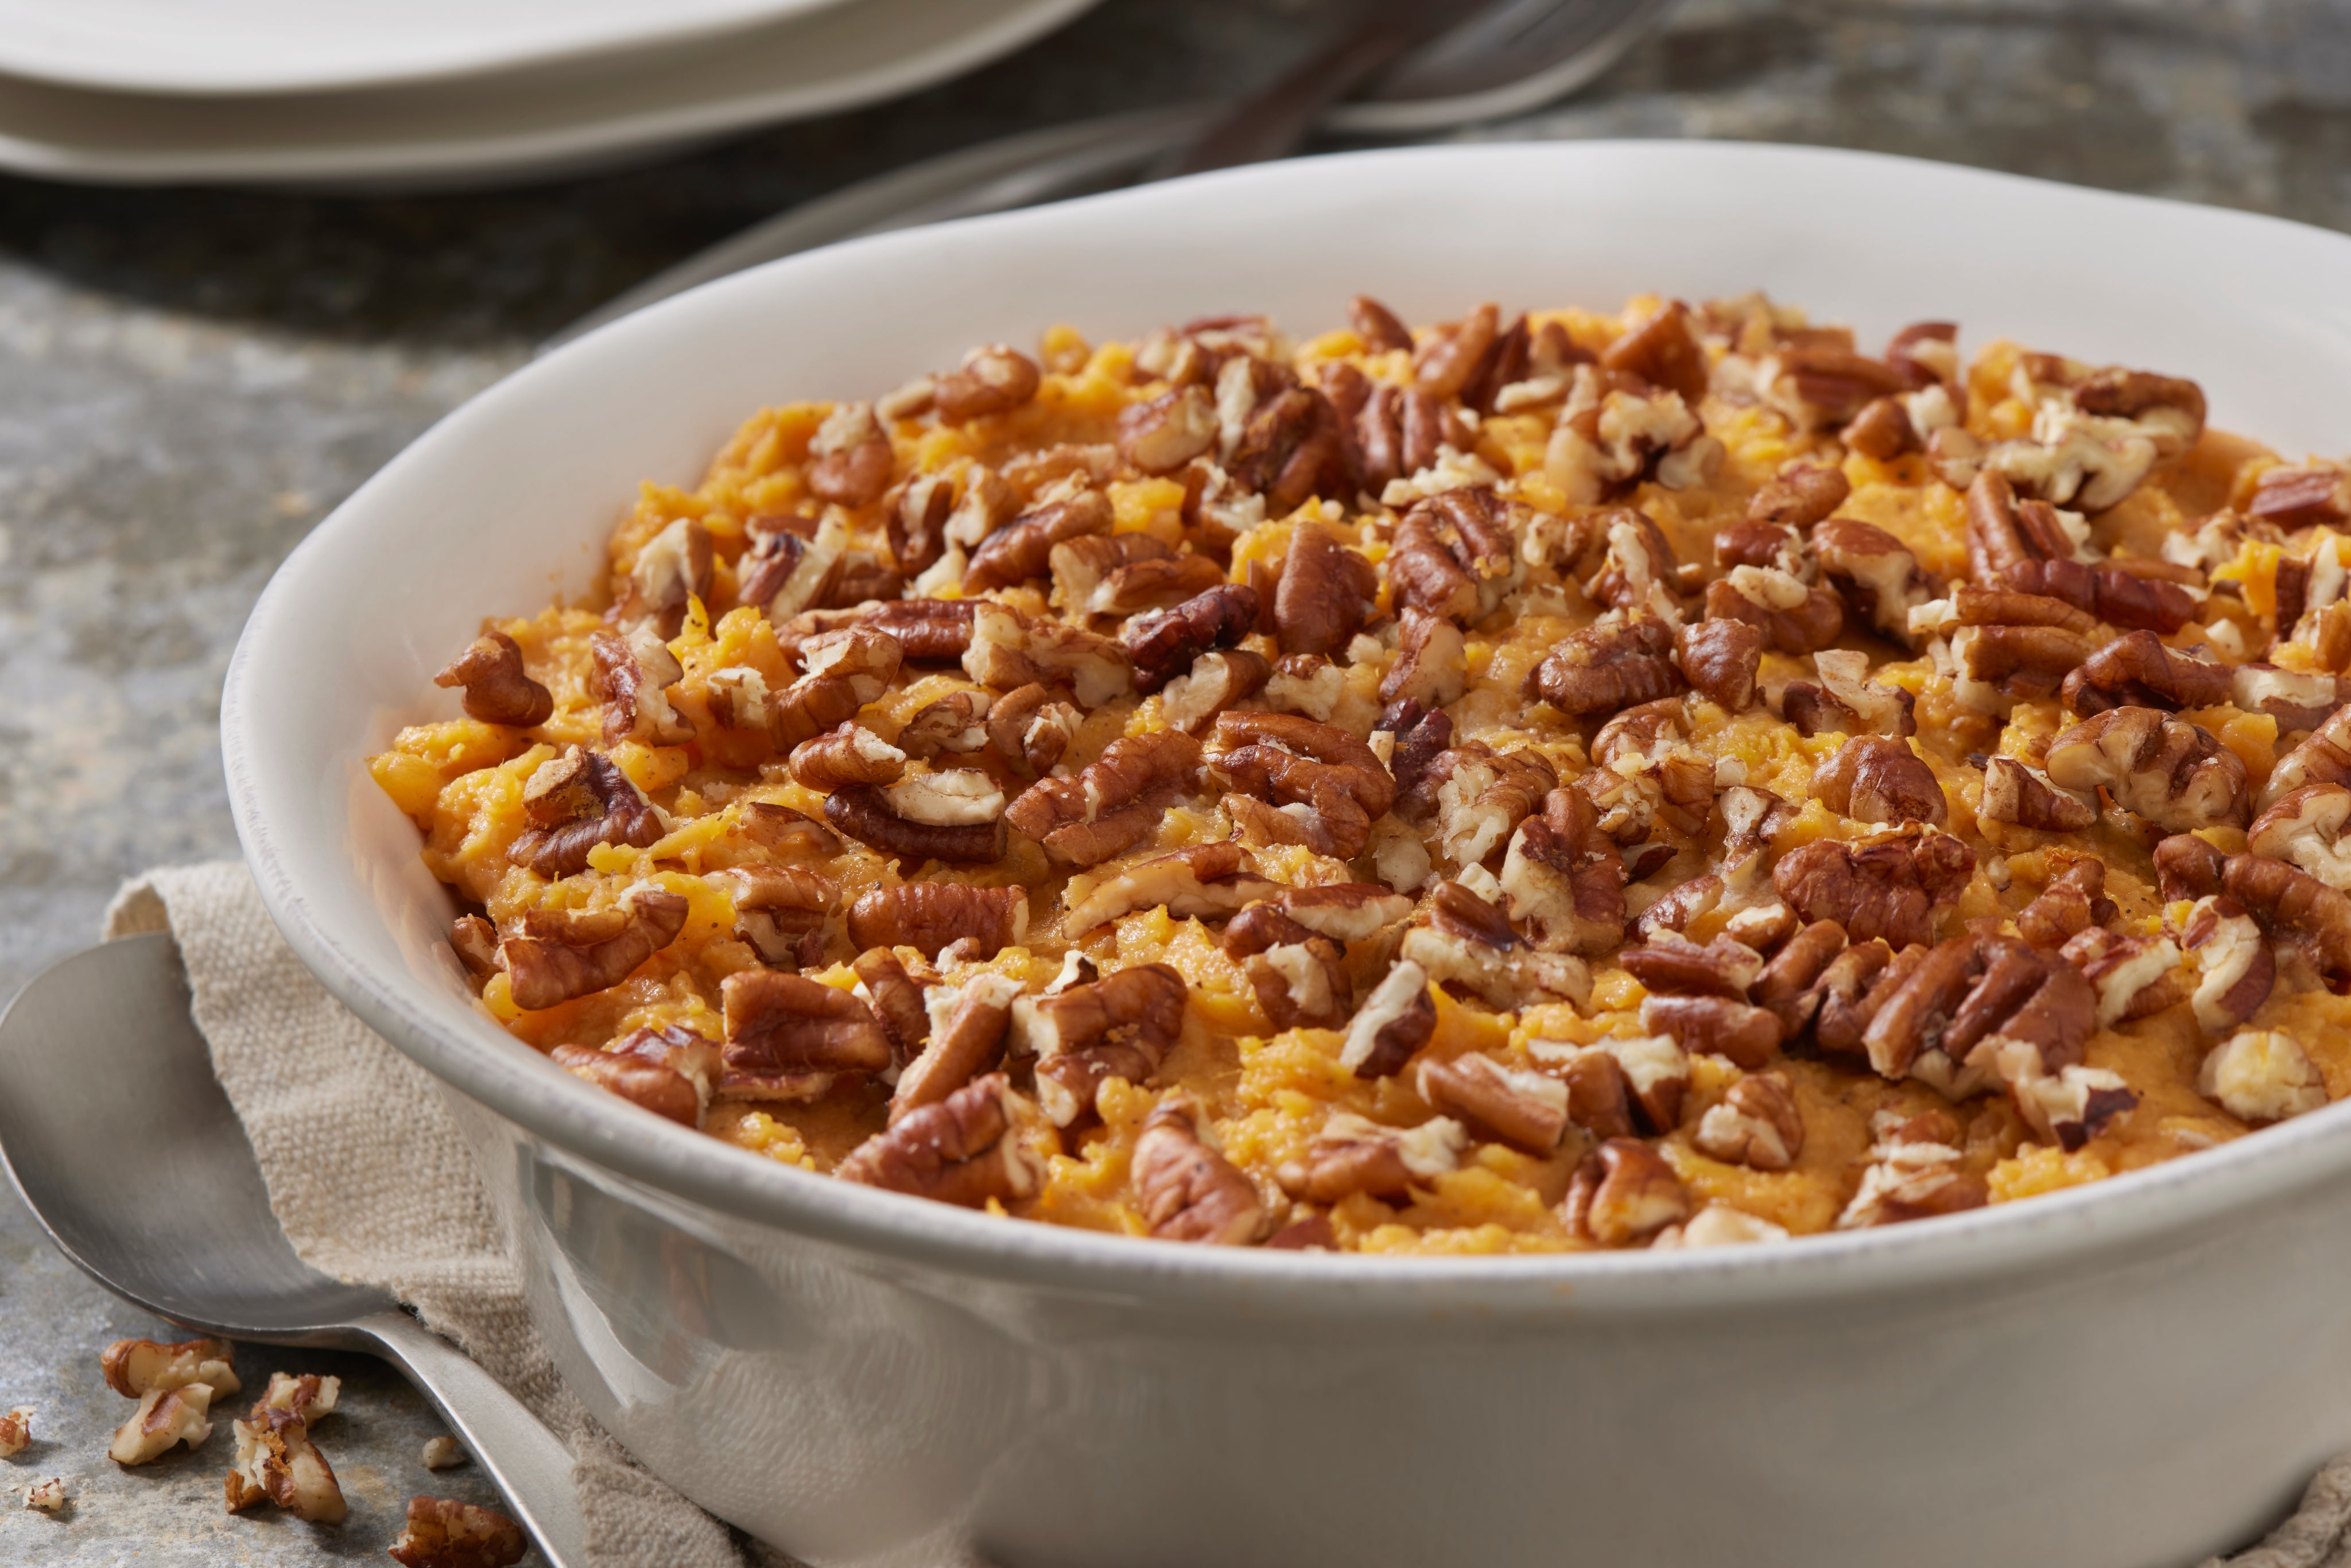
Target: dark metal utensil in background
[
  {"x": 1509, "y": 57},
  {"x": 128, "y": 1154}
]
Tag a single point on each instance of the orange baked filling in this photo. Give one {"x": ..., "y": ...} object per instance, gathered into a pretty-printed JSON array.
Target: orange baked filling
[{"x": 1661, "y": 778}]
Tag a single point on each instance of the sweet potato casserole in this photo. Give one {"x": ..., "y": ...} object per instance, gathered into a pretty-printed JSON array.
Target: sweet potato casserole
[{"x": 1521, "y": 784}]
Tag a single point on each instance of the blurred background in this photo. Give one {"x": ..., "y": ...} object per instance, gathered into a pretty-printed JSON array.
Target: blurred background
[{"x": 234, "y": 282}]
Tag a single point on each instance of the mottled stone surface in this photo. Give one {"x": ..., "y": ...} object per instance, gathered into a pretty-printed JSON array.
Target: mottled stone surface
[{"x": 190, "y": 380}]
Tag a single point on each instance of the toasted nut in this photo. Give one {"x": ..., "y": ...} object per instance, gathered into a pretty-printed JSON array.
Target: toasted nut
[
  {"x": 2073, "y": 901},
  {"x": 1123, "y": 574},
  {"x": 1325, "y": 594},
  {"x": 1111, "y": 803},
  {"x": 2286, "y": 899},
  {"x": 929, "y": 915},
  {"x": 1030, "y": 730},
  {"x": 442, "y": 1532},
  {"x": 573, "y": 803},
  {"x": 1395, "y": 1021},
  {"x": 1565, "y": 878},
  {"x": 49, "y": 1496},
  {"x": 1638, "y": 569},
  {"x": 1292, "y": 448},
  {"x": 853, "y": 458},
  {"x": 2024, "y": 794},
  {"x": 951, "y": 724},
  {"x": 1377, "y": 326},
  {"x": 952, "y": 797},
  {"x": 1485, "y": 795},
  {"x": 2072, "y": 1106},
  {"x": 1444, "y": 365},
  {"x": 1845, "y": 701},
  {"x": 1120, "y": 1026},
  {"x": 674, "y": 566},
  {"x": 1455, "y": 555},
  {"x": 2299, "y": 498},
  {"x": 1715, "y": 1026},
  {"x": 2138, "y": 671},
  {"x": 1612, "y": 664},
  {"x": 783, "y": 1031},
  {"x": 15, "y": 1431},
  {"x": 276, "y": 1459},
  {"x": 2262, "y": 1075},
  {"x": 2297, "y": 699},
  {"x": 2112, "y": 594},
  {"x": 1663, "y": 351},
  {"x": 849, "y": 754},
  {"x": 671, "y": 1071},
  {"x": 1720, "y": 660},
  {"x": 1789, "y": 986},
  {"x": 1214, "y": 683},
  {"x": 967, "y": 1038},
  {"x": 1878, "y": 575},
  {"x": 1354, "y": 1155},
  {"x": 2132, "y": 974},
  {"x": 1623, "y": 1192},
  {"x": 993, "y": 380},
  {"x": 1292, "y": 761},
  {"x": 1798, "y": 495},
  {"x": 165, "y": 1419},
  {"x": 1188, "y": 1191},
  {"x": 1913, "y": 1178},
  {"x": 497, "y": 691},
  {"x": 1796, "y": 618},
  {"x": 2322, "y": 758},
  {"x": 1670, "y": 962},
  {"x": 1162, "y": 434},
  {"x": 633, "y": 676},
  {"x": 1777, "y": 545},
  {"x": 873, "y": 818},
  {"x": 2187, "y": 867},
  {"x": 1163, "y": 645},
  {"x": 1888, "y": 887},
  {"x": 1882, "y": 430},
  {"x": 1023, "y": 548},
  {"x": 445, "y": 1454},
  {"x": 1758, "y": 1123},
  {"x": 897, "y": 1000},
  {"x": 564, "y": 957},
  {"x": 1821, "y": 387},
  {"x": 2305, "y": 827},
  {"x": 1466, "y": 942},
  {"x": 1209, "y": 880},
  {"x": 1873, "y": 779},
  {"x": 2173, "y": 773},
  {"x": 1525, "y": 1110},
  {"x": 136, "y": 1366},
  {"x": 1008, "y": 651},
  {"x": 1301, "y": 984},
  {"x": 2235, "y": 968}
]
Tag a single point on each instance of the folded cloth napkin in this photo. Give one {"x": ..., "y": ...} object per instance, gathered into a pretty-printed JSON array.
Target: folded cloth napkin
[
  {"x": 392, "y": 1202},
  {"x": 398, "y": 1204}
]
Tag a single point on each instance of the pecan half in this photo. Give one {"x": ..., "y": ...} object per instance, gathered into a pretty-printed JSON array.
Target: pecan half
[
  {"x": 1399, "y": 431},
  {"x": 1564, "y": 879},
  {"x": 1757, "y": 1124},
  {"x": 1111, "y": 803},
  {"x": 2235, "y": 969},
  {"x": 1292, "y": 448},
  {"x": 1720, "y": 659},
  {"x": 849, "y": 754},
  {"x": 1468, "y": 942},
  {"x": 1023, "y": 548},
  {"x": 863, "y": 813},
  {"x": 1662, "y": 349},
  {"x": 1214, "y": 683},
  {"x": 1395, "y": 1021},
  {"x": 1187, "y": 1190},
  {"x": 1714, "y": 1026},
  {"x": 1445, "y": 364},
  {"x": 1120, "y": 1026},
  {"x": 2138, "y": 671},
  {"x": 993, "y": 380},
  {"x": 2131, "y": 975},
  {"x": 2305, "y": 827},
  {"x": 1287, "y": 760},
  {"x": 2318, "y": 495},
  {"x": 2187, "y": 867},
  {"x": 1163, "y": 433},
  {"x": 1210, "y": 880},
  {"x": 1622, "y": 1193},
  {"x": 1873, "y": 779},
  {"x": 1613, "y": 663},
  {"x": 498, "y": 690},
  {"x": 1888, "y": 887},
  {"x": 1345, "y": 911},
  {"x": 1455, "y": 555},
  {"x": 1325, "y": 594},
  {"x": 1882, "y": 430},
  {"x": 2174, "y": 774},
  {"x": 964, "y": 1150},
  {"x": 1798, "y": 497},
  {"x": 1789, "y": 986},
  {"x": 671, "y": 1071},
  {"x": 1352, "y": 1155},
  {"x": 1377, "y": 326},
  {"x": 569, "y": 953},
  {"x": 1526, "y": 1111},
  {"x": 1796, "y": 617},
  {"x": 2322, "y": 758},
  {"x": 1031, "y": 729},
  {"x": 1671, "y": 962},
  {"x": 967, "y": 1027},
  {"x": 2262, "y": 1075},
  {"x": 1875, "y": 571},
  {"x": 2074, "y": 900},
  {"x": 2116, "y": 596},
  {"x": 442, "y": 1532},
  {"x": 2019, "y": 793},
  {"x": 633, "y": 676},
  {"x": 2290, "y": 902},
  {"x": 785, "y": 1030},
  {"x": 928, "y": 915},
  {"x": 1845, "y": 700},
  {"x": 779, "y": 911},
  {"x": 853, "y": 458},
  {"x": 1162, "y": 646}
]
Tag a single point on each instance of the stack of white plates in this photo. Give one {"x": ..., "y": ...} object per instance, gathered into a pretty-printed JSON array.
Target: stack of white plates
[{"x": 446, "y": 92}]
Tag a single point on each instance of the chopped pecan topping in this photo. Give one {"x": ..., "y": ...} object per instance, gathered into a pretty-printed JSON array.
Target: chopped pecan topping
[
  {"x": 442, "y": 1532},
  {"x": 1670, "y": 962},
  {"x": 1468, "y": 942},
  {"x": 1798, "y": 497},
  {"x": 674, "y": 566},
  {"x": 1638, "y": 568},
  {"x": 1623, "y": 1192},
  {"x": 1882, "y": 430},
  {"x": 2074, "y": 900},
  {"x": 1974, "y": 1004},
  {"x": 1008, "y": 651},
  {"x": 1292, "y": 448},
  {"x": 2172, "y": 772},
  {"x": 2291, "y": 903},
  {"x": 1824, "y": 388},
  {"x": 779, "y": 911},
  {"x": 1023, "y": 548},
  {"x": 2235, "y": 969},
  {"x": 1525, "y": 1110},
  {"x": 1163, "y": 645},
  {"x": 1445, "y": 364},
  {"x": 2305, "y": 827},
  {"x": 1890, "y": 886},
  {"x": 1395, "y": 1021},
  {"x": 1287, "y": 760},
  {"x": 570, "y": 953},
  {"x": 2071, "y": 1107},
  {"x": 671, "y": 1071},
  {"x": 1400, "y": 430},
  {"x": 780, "y": 572},
  {"x": 1120, "y": 1026},
  {"x": 2017, "y": 793},
  {"x": 928, "y": 915},
  {"x": 1345, "y": 911},
  {"x": 1911, "y": 1177},
  {"x": 1031, "y": 729},
  {"x": 1455, "y": 555},
  {"x": 1720, "y": 659},
  {"x": 882, "y": 821},
  {"x": 1188, "y": 1190},
  {"x": 49, "y": 1496},
  {"x": 1663, "y": 351},
  {"x": 948, "y": 798},
  {"x": 1790, "y": 986},
  {"x": 1757, "y": 1124},
  {"x": 1377, "y": 326},
  {"x": 1214, "y": 683},
  {"x": 849, "y": 754},
  {"x": 1714, "y": 1026},
  {"x": 1875, "y": 571},
  {"x": 964, "y": 1150},
  {"x": 633, "y": 676},
  {"x": 1208, "y": 881},
  {"x": 1873, "y": 779},
  {"x": 993, "y": 380},
  {"x": 2297, "y": 699},
  {"x": 278, "y": 1462},
  {"x": 1325, "y": 594},
  {"x": 2262, "y": 1075},
  {"x": 1483, "y": 795},
  {"x": 2187, "y": 867},
  {"x": 1796, "y": 618},
  {"x": 954, "y": 723},
  {"x": 967, "y": 1024},
  {"x": 2315, "y": 496},
  {"x": 497, "y": 691},
  {"x": 2114, "y": 594},
  {"x": 1354, "y": 1155},
  {"x": 1564, "y": 878},
  {"x": 2131, "y": 975},
  {"x": 1163, "y": 433},
  {"x": 1846, "y": 701},
  {"x": 165, "y": 1419},
  {"x": 133, "y": 1368},
  {"x": 2002, "y": 664},
  {"x": 786, "y": 1035},
  {"x": 2138, "y": 671},
  {"x": 1111, "y": 803},
  {"x": 1612, "y": 664},
  {"x": 1300, "y": 984},
  {"x": 853, "y": 458},
  {"x": 1120, "y": 574}
]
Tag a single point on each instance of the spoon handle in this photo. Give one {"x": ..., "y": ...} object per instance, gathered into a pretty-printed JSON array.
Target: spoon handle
[{"x": 531, "y": 1464}]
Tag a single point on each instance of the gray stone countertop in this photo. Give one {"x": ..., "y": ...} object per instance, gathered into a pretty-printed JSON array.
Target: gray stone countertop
[{"x": 190, "y": 380}]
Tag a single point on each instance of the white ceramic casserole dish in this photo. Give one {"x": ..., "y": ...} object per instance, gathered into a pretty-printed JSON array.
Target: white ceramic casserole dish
[{"x": 2119, "y": 1377}]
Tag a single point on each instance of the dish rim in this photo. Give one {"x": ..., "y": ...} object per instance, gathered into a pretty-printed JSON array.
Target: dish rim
[{"x": 671, "y": 1166}]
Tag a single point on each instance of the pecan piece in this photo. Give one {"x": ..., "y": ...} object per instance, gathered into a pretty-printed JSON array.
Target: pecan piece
[
  {"x": 1187, "y": 1190},
  {"x": 967, "y": 1024},
  {"x": 135, "y": 1367},
  {"x": 2305, "y": 827},
  {"x": 442, "y": 1532},
  {"x": 1757, "y": 1124},
  {"x": 1120, "y": 1026},
  {"x": 951, "y": 724},
  {"x": 1208, "y": 881},
  {"x": 1914, "y": 1173},
  {"x": 2138, "y": 671},
  {"x": 2173, "y": 773},
  {"x": 276, "y": 1461},
  {"x": 1377, "y": 326},
  {"x": 1163, "y": 645},
  {"x": 2017, "y": 793},
  {"x": 1111, "y": 803},
  {"x": 1622, "y": 1192},
  {"x": 1031, "y": 730},
  {"x": 2187, "y": 867},
  {"x": 1795, "y": 617},
  {"x": 2235, "y": 969},
  {"x": 1672, "y": 963},
  {"x": 1286, "y": 760},
  {"x": 1845, "y": 700},
  {"x": 1008, "y": 651},
  {"x": 1720, "y": 659},
  {"x": 993, "y": 380},
  {"x": 964, "y": 1150},
  {"x": 2119, "y": 597},
  {"x": 1445, "y": 364},
  {"x": 779, "y": 911},
  {"x": 1565, "y": 878},
  {"x": 1613, "y": 663},
  {"x": 1354, "y": 1155},
  {"x": 1023, "y": 548},
  {"x": 498, "y": 690},
  {"x": 2262, "y": 1075},
  {"x": 1395, "y": 1021},
  {"x": 1214, "y": 683},
  {"x": 1714, "y": 1025},
  {"x": 1163, "y": 433},
  {"x": 1638, "y": 568},
  {"x": 631, "y": 677},
  {"x": 570, "y": 952},
  {"x": 1455, "y": 555},
  {"x": 849, "y": 754},
  {"x": 1662, "y": 349},
  {"x": 1325, "y": 594},
  {"x": 852, "y": 457},
  {"x": 786, "y": 1035},
  {"x": 673, "y": 567},
  {"x": 888, "y": 822},
  {"x": 1790, "y": 985},
  {"x": 671, "y": 1071},
  {"x": 165, "y": 1419},
  {"x": 2291, "y": 901},
  {"x": 2297, "y": 699},
  {"x": 2322, "y": 758},
  {"x": 1526, "y": 1111},
  {"x": 1873, "y": 779},
  {"x": 2318, "y": 495},
  {"x": 1468, "y": 942},
  {"x": 1875, "y": 571},
  {"x": 1300, "y": 983},
  {"x": 1292, "y": 448},
  {"x": 1798, "y": 497},
  {"x": 1400, "y": 430},
  {"x": 928, "y": 915},
  {"x": 2074, "y": 900},
  {"x": 1431, "y": 664},
  {"x": 1882, "y": 430},
  {"x": 1888, "y": 887}
]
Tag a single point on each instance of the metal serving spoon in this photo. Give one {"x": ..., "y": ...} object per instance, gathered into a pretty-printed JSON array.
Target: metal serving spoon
[
  {"x": 1507, "y": 57},
  {"x": 125, "y": 1149}
]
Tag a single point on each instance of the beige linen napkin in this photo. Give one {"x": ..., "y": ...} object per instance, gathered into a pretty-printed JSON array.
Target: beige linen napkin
[
  {"x": 390, "y": 1202},
  {"x": 399, "y": 1206}
]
